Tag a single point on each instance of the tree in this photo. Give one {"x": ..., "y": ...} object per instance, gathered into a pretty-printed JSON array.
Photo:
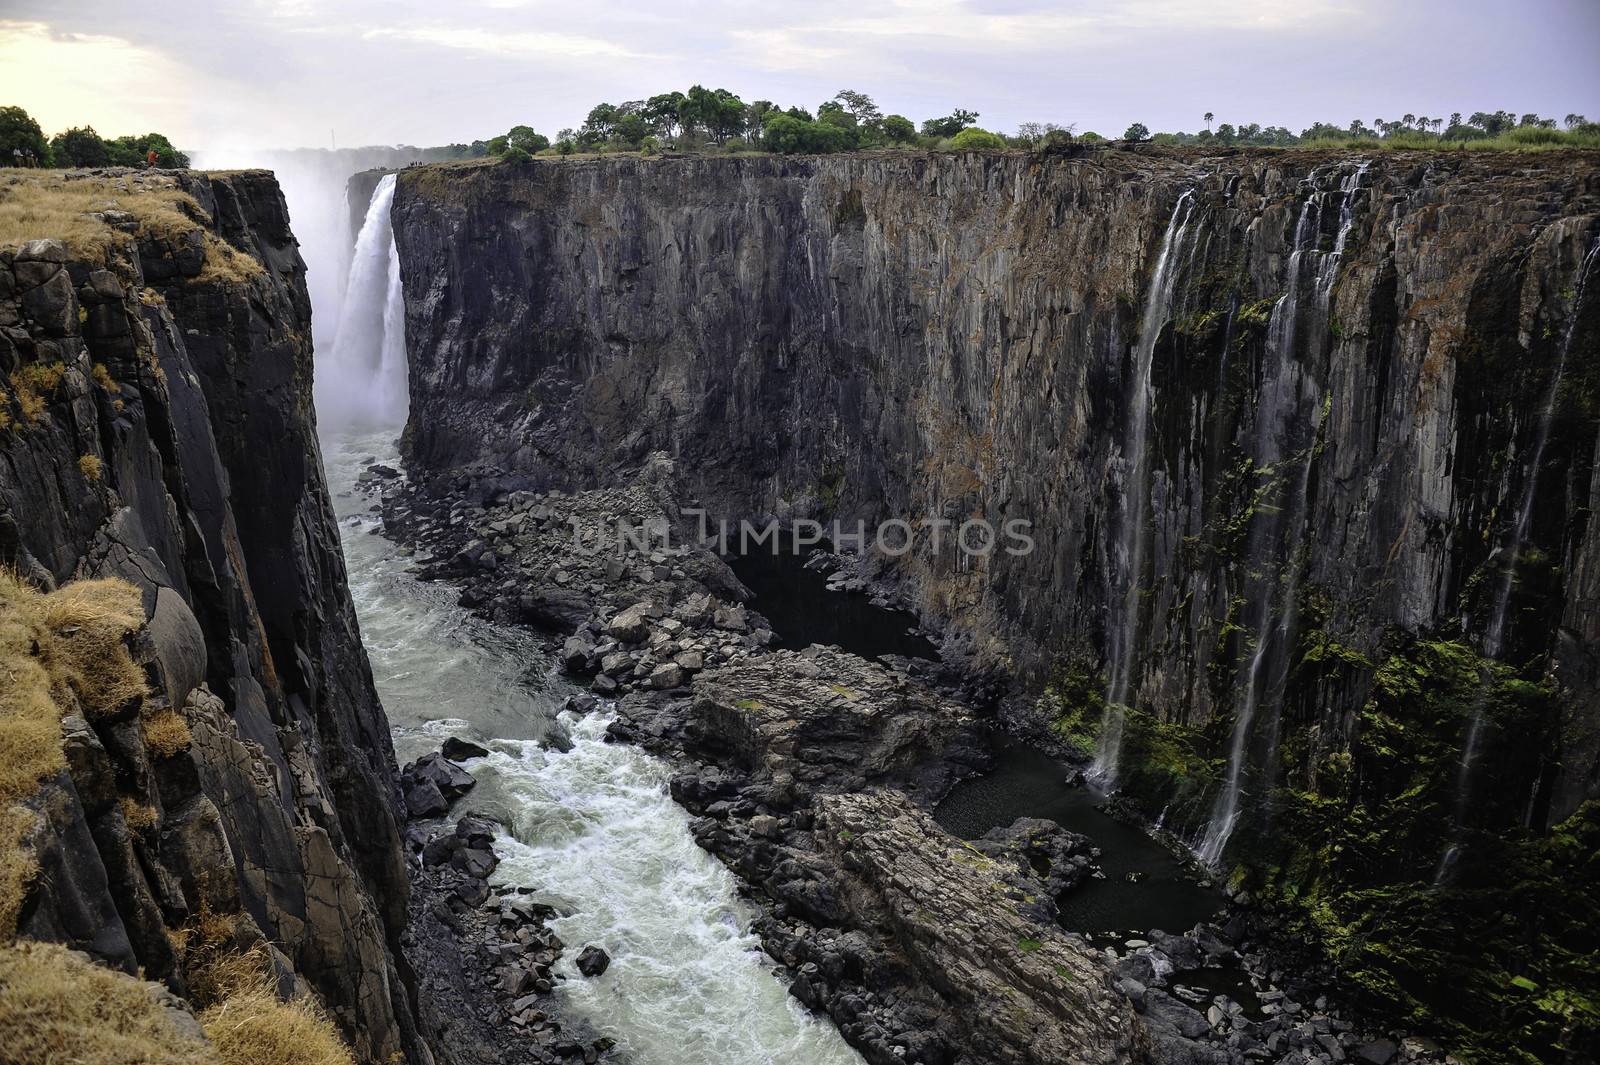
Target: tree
[
  {"x": 525, "y": 139},
  {"x": 1136, "y": 132},
  {"x": 950, "y": 125},
  {"x": 1225, "y": 133},
  {"x": 665, "y": 112},
  {"x": 20, "y": 133},
  {"x": 860, "y": 105},
  {"x": 898, "y": 129},
  {"x": 1572, "y": 121},
  {"x": 788, "y": 135},
  {"x": 1209, "y": 117},
  {"x": 79, "y": 147},
  {"x": 1493, "y": 123},
  {"x": 974, "y": 139},
  {"x": 135, "y": 151}
]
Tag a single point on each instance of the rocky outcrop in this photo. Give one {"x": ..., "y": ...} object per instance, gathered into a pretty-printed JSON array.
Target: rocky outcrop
[{"x": 167, "y": 437}]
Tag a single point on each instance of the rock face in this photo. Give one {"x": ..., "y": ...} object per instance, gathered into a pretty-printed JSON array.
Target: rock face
[
  {"x": 1345, "y": 395},
  {"x": 175, "y": 447},
  {"x": 1028, "y": 994}
]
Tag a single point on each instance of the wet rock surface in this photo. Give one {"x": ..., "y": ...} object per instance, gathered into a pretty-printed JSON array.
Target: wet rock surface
[
  {"x": 483, "y": 956},
  {"x": 810, "y": 774}
]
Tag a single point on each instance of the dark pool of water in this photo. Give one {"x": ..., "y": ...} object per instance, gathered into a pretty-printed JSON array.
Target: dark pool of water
[
  {"x": 803, "y": 611},
  {"x": 1026, "y": 783},
  {"x": 1230, "y": 980}
]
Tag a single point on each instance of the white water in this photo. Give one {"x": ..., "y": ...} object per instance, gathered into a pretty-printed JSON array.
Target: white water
[
  {"x": 1494, "y": 637},
  {"x": 361, "y": 381},
  {"x": 593, "y": 830},
  {"x": 1129, "y": 557},
  {"x": 1494, "y": 631},
  {"x": 1285, "y": 393}
]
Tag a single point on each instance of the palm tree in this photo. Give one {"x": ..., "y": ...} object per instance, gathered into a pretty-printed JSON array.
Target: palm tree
[{"x": 1210, "y": 116}]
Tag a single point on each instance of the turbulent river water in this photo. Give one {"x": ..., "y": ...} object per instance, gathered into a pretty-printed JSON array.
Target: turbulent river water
[{"x": 592, "y": 830}]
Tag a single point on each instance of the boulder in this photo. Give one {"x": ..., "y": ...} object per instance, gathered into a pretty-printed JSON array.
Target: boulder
[
  {"x": 460, "y": 750},
  {"x": 631, "y": 625},
  {"x": 592, "y": 961}
]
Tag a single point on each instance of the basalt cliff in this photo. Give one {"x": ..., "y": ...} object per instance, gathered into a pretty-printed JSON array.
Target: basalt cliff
[
  {"x": 234, "y": 795},
  {"x": 1306, "y": 442}
]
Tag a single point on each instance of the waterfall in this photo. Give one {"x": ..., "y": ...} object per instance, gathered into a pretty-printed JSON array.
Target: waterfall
[
  {"x": 1129, "y": 555},
  {"x": 1494, "y": 631},
  {"x": 1494, "y": 635},
  {"x": 1283, "y": 395},
  {"x": 362, "y": 382}
]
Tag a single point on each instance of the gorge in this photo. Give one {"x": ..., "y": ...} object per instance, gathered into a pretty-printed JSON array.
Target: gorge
[{"x": 1306, "y": 444}]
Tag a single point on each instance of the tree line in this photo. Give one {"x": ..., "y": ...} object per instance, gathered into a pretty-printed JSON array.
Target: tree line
[
  {"x": 1410, "y": 129},
  {"x": 23, "y": 143},
  {"x": 705, "y": 119},
  {"x": 718, "y": 120}
]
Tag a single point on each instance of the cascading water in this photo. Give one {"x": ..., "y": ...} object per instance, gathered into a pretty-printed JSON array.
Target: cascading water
[
  {"x": 1494, "y": 633},
  {"x": 592, "y": 830},
  {"x": 1129, "y": 556},
  {"x": 1495, "y": 629},
  {"x": 362, "y": 382},
  {"x": 1285, "y": 393}
]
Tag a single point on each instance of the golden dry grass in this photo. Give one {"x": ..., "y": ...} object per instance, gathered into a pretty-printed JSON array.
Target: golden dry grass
[
  {"x": 51, "y": 647},
  {"x": 51, "y": 204},
  {"x": 141, "y": 818},
  {"x": 244, "y": 1018},
  {"x": 89, "y": 466},
  {"x": 251, "y": 1027},
  {"x": 91, "y": 621},
  {"x": 166, "y": 733},
  {"x": 34, "y": 385},
  {"x": 56, "y": 1007}
]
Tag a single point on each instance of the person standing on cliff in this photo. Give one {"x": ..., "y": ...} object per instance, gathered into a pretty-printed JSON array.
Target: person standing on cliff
[{"x": 150, "y": 159}]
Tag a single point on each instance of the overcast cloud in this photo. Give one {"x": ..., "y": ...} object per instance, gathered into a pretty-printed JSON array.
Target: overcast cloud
[{"x": 282, "y": 73}]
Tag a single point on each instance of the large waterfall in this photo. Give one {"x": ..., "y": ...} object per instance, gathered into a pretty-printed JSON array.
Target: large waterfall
[
  {"x": 362, "y": 382},
  {"x": 1129, "y": 557}
]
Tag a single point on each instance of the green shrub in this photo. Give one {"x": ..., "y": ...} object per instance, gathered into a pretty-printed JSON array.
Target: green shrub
[{"x": 978, "y": 140}]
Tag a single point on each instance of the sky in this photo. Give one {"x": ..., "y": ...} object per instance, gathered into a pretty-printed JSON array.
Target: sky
[{"x": 234, "y": 74}]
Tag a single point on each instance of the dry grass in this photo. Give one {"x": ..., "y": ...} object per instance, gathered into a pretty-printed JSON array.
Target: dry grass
[
  {"x": 18, "y": 866},
  {"x": 89, "y": 466},
  {"x": 52, "y": 204},
  {"x": 70, "y": 640},
  {"x": 251, "y": 1027},
  {"x": 248, "y": 1024},
  {"x": 91, "y": 621},
  {"x": 166, "y": 733},
  {"x": 140, "y": 817},
  {"x": 56, "y": 1007},
  {"x": 34, "y": 385}
]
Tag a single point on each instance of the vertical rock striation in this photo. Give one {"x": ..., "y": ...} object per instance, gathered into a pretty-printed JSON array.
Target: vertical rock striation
[
  {"x": 867, "y": 336},
  {"x": 184, "y": 374},
  {"x": 1350, "y": 383}
]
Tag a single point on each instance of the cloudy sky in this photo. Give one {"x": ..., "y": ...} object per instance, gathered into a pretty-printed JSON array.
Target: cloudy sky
[{"x": 279, "y": 73}]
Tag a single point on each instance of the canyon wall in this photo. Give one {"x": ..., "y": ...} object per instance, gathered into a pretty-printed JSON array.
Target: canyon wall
[
  {"x": 161, "y": 431},
  {"x": 868, "y": 336},
  {"x": 1307, "y": 441}
]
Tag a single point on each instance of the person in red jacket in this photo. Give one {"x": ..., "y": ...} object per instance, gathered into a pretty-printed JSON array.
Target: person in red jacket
[{"x": 150, "y": 159}]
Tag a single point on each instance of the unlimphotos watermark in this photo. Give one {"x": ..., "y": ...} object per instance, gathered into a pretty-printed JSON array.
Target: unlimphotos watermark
[{"x": 973, "y": 537}]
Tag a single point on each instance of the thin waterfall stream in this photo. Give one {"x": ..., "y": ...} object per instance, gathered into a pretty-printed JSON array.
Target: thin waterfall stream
[
  {"x": 1129, "y": 555},
  {"x": 1494, "y": 637},
  {"x": 1285, "y": 393}
]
